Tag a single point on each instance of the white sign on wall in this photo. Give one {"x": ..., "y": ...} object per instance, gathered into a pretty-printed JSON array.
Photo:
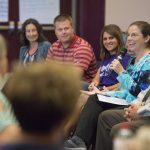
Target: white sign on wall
[
  {"x": 3, "y": 10},
  {"x": 42, "y": 10}
]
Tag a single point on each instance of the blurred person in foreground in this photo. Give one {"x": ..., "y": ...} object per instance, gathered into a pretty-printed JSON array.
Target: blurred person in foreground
[
  {"x": 41, "y": 99},
  {"x": 3, "y": 61},
  {"x": 8, "y": 125},
  {"x": 142, "y": 139}
]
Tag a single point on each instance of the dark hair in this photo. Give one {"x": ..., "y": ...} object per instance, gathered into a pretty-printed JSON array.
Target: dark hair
[
  {"x": 41, "y": 37},
  {"x": 43, "y": 95},
  {"x": 63, "y": 17},
  {"x": 116, "y": 32},
  {"x": 144, "y": 28}
]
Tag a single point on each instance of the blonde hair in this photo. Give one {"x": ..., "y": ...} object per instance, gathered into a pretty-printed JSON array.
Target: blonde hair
[
  {"x": 3, "y": 57},
  {"x": 3, "y": 47},
  {"x": 142, "y": 138},
  {"x": 43, "y": 94},
  {"x": 63, "y": 17}
]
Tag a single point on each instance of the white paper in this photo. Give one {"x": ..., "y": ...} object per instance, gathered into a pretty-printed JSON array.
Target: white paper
[
  {"x": 112, "y": 100},
  {"x": 3, "y": 10},
  {"x": 42, "y": 10}
]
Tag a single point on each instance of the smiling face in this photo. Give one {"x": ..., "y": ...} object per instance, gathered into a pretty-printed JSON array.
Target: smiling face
[
  {"x": 31, "y": 33},
  {"x": 64, "y": 31},
  {"x": 110, "y": 43},
  {"x": 135, "y": 40}
]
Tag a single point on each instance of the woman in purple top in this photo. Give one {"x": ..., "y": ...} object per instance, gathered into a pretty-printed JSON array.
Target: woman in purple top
[{"x": 112, "y": 46}]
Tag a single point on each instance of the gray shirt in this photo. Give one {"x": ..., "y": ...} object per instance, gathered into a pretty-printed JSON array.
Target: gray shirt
[{"x": 143, "y": 110}]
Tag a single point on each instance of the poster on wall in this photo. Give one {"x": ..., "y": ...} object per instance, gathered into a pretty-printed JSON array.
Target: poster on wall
[
  {"x": 42, "y": 10},
  {"x": 3, "y": 10}
]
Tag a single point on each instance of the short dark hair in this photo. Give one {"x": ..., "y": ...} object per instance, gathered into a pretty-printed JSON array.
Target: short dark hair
[
  {"x": 41, "y": 37},
  {"x": 43, "y": 95},
  {"x": 63, "y": 17},
  {"x": 114, "y": 31},
  {"x": 144, "y": 28}
]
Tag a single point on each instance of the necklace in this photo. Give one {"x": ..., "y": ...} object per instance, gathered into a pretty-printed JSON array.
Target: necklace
[{"x": 33, "y": 49}]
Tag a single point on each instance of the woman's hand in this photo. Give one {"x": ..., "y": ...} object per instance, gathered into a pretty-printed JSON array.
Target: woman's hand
[
  {"x": 105, "y": 89},
  {"x": 94, "y": 83},
  {"x": 116, "y": 66}
]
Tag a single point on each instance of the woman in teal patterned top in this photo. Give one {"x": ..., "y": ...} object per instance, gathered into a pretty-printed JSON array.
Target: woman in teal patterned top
[
  {"x": 135, "y": 79},
  {"x": 6, "y": 116},
  {"x": 8, "y": 125}
]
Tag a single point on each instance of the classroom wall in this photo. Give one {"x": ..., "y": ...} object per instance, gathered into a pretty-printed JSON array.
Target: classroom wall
[
  {"x": 90, "y": 19},
  {"x": 124, "y": 12},
  {"x": 13, "y": 38}
]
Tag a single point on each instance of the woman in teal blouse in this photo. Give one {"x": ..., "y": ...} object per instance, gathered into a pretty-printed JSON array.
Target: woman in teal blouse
[{"x": 135, "y": 79}]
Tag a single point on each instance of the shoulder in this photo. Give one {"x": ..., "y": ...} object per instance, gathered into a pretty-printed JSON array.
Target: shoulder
[
  {"x": 146, "y": 60},
  {"x": 23, "y": 49},
  {"x": 45, "y": 43},
  {"x": 147, "y": 57},
  {"x": 56, "y": 43},
  {"x": 126, "y": 56},
  {"x": 16, "y": 146},
  {"x": 126, "y": 59},
  {"x": 83, "y": 45},
  {"x": 2, "y": 97},
  {"x": 83, "y": 42}
]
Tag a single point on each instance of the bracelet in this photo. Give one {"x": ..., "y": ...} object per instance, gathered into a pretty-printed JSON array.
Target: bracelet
[{"x": 123, "y": 72}]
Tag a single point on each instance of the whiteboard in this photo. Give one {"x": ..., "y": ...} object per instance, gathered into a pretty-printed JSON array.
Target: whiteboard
[
  {"x": 3, "y": 10},
  {"x": 124, "y": 12},
  {"x": 42, "y": 10}
]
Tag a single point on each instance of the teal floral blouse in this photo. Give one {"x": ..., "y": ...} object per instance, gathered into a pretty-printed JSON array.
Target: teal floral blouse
[
  {"x": 135, "y": 79},
  {"x": 6, "y": 115}
]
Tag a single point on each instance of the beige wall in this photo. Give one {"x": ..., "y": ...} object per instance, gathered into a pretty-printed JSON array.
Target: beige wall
[{"x": 124, "y": 12}]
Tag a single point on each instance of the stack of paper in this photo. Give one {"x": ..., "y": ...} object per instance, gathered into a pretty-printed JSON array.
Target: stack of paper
[{"x": 112, "y": 100}]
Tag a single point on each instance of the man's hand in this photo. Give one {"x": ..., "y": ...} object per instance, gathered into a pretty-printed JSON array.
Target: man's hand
[{"x": 131, "y": 112}]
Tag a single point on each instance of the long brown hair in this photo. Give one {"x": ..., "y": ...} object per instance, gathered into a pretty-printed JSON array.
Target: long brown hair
[
  {"x": 41, "y": 37},
  {"x": 116, "y": 32}
]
